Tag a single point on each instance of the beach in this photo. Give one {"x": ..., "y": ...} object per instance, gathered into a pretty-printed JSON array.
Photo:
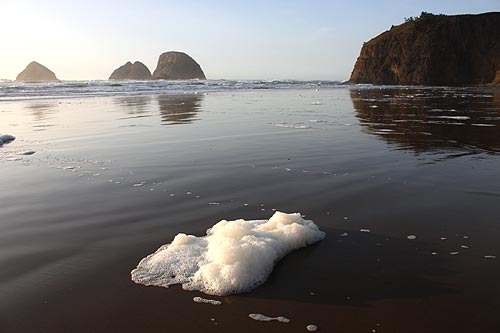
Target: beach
[{"x": 403, "y": 181}]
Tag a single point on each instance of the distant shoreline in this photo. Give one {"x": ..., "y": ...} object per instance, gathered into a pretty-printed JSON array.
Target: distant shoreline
[{"x": 18, "y": 91}]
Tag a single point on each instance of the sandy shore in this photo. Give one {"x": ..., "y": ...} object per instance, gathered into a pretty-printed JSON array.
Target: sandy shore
[{"x": 113, "y": 178}]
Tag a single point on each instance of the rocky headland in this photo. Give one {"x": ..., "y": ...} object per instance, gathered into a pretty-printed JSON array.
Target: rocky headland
[{"x": 436, "y": 50}]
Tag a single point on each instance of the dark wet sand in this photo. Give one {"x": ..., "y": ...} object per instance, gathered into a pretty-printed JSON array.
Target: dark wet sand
[{"x": 395, "y": 161}]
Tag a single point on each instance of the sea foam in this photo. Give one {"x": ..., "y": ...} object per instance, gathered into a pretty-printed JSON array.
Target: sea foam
[{"x": 234, "y": 256}]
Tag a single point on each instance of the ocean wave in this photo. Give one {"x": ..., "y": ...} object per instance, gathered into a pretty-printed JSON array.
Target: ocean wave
[{"x": 12, "y": 90}]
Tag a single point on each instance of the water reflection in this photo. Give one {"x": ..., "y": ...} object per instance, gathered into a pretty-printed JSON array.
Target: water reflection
[
  {"x": 179, "y": 109},
  {"x": 134, "y": 104},
  {"x": 43, "y": 114},
  {"x": 431, "y": 120},
  {"x": 42, "y": 111}
]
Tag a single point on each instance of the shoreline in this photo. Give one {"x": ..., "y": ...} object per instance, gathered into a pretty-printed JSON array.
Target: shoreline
[{"x": 80, "y": 89}]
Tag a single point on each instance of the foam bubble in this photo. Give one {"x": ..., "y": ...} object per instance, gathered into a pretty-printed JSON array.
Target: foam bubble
[
  {"x": 285, "y": 125},
  {"x": 206, "y": 301},
  {"x": 234, "y": 256},
  {"x": 483, "y": 125},
  {"x": 312, "y": 328},
  {"x": 452, "y": 117},
  {"x": 261, "y": 317}
]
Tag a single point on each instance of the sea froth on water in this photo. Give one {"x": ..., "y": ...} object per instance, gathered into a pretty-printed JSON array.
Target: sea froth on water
[{"x": 234, "y": 256}]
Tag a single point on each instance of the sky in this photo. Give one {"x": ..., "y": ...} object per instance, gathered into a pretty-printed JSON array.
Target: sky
[{"x": 294, "y": 39}]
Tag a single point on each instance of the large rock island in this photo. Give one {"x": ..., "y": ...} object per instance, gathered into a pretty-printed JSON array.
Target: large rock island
[
  {"x": 434, "y": 50},
  {"x": 36, "y": 72},
  {"x": 177, "y": 66},
  {"x": 131, "y": 71}
]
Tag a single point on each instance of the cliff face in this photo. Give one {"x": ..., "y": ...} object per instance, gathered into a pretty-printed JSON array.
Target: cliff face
[
  {"x": 129, "y": 71},
  {"x": 36, "y": 72},
  {"x": 177, "y": 66},
  {"x": 434, "y": 50}
]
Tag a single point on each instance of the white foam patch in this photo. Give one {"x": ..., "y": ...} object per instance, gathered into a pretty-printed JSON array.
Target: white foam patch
[
  {"x": 452, "y": 117},
  {"x": 312, "y": 328},
  {"x": 483, "y": 125},
  {"x": 386, "y": 130},
  {"x": 285, "y": 125},
  {"x": 261, "y": 317},
  {"x": 234, "y": 256},
  {"x": 206, "y": 301}
]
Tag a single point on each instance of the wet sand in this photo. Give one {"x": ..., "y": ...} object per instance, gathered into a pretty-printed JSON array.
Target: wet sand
[{"x": 396, "y": 162}]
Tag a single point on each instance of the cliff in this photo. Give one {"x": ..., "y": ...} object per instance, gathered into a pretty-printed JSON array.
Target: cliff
[
  {"x": 434, "y": 50},
  {"x": 177, "y": 66},
  {"x": 129, "y": 71},
  {"x": 36, "y": 72}
]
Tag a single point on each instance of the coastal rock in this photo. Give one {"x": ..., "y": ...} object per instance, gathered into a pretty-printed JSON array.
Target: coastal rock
[
  {"x": 7, "y": 137},
  {"x": 496, "y": 81},
  {"x": 36, "y": 72},
  {"x": 434, "y": 50},
  {"x": 131, "y": 71},
  {"x": 177, "y": 66}
]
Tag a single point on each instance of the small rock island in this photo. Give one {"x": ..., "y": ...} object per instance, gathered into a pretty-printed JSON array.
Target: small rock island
[
  {"x": 131, "y": 71},
  {"x": 177, "y": 66},
  {"x": 433, "y": 49},
  {"x": 36, "y": 72}
]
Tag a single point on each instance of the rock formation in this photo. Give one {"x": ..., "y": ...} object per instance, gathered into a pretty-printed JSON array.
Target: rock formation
[
  {"x": 434, "y": 50},
  {"x": 36, "y": 72},
  {"x": 177, "y": 66},
  {"x": 129, "y": 71}
]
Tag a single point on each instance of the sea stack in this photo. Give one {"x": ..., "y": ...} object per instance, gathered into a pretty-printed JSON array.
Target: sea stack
[
  {"x": 131, "y": 71},
  {"x": 36, "y": 72},
  {"x": 177, "y": 66},
  {"x": 436, "y": 50}
]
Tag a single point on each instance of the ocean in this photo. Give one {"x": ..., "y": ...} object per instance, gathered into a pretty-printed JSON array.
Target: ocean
[{"x": 12, "y": 90}]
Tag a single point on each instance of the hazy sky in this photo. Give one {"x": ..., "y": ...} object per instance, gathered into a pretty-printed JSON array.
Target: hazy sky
[{"x": 312, "y": 39}]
